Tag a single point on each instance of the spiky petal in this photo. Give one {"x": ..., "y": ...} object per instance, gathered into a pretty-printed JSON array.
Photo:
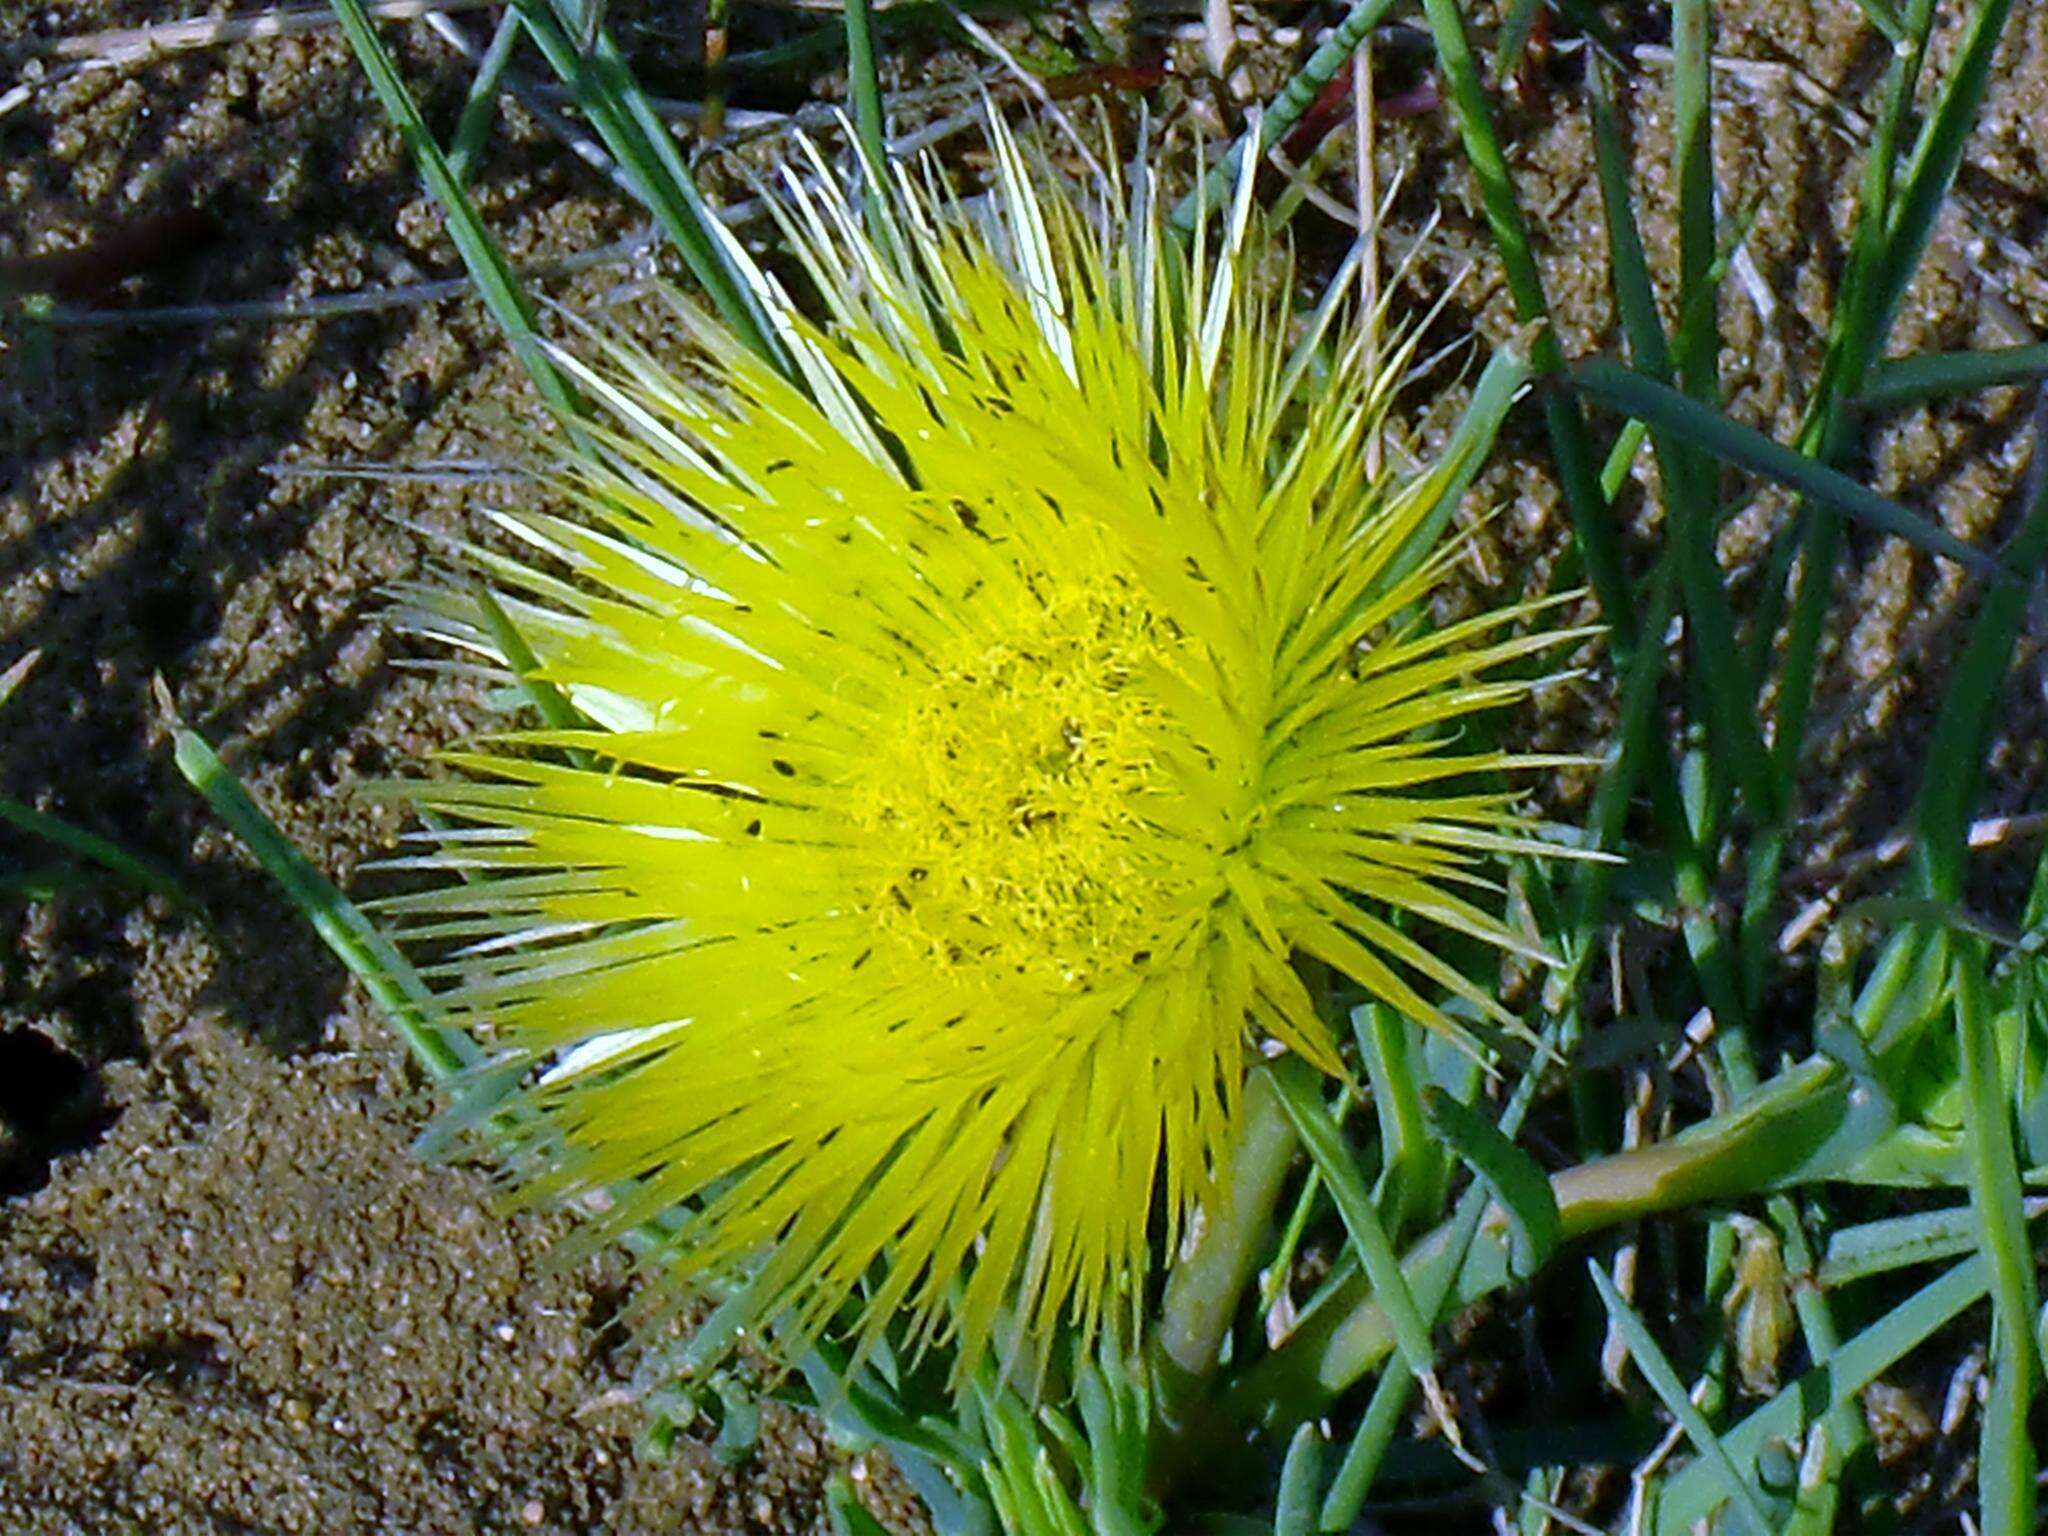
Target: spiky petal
[{"x": 985, "y": 721}]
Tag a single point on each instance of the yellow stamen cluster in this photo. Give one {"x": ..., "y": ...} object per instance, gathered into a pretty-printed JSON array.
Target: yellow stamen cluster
[{"x": 1005, "y": 813}]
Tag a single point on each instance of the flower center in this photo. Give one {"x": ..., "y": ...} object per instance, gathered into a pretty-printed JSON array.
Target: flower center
[{"x": 1005, "y": 812}]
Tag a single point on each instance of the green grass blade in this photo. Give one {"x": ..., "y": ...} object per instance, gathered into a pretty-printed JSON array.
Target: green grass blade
[
  {"x": 1692, "y": 108},
  {"x": 1939, "y": 375},
  {"x": 866, "y": 89},
  {"x": 1665, "y": 1381},
  {"x": 2008, "y": 1465},
  {"x": 485, "y": 263},
  {"x": 442, "y": 1053},
  {"x": 1692, "y": 1495},
  {"x": 1634, "y": 742},
  {"x": 1880, "y": 15},
  {"x": 1592, "y": 521},
  {"x": 1460, "y": 461},
  {"x": 1296, "y": 1508},
  {"x": 1433, "y": 1288},
  {"x": 1970, "y": 712},
  {"x": 1631, "y": 394},
  {"x": 1937, "y": 155},
  {"x": 1855, "y": 343},
  {"x": 637, "y": 139},
  {"x": 1386, "y": 1046},
  {"x": 473, "y": 128},
  {"x": 109, "y": 856},
  {"x": 1689, "y": 475},
  {"x": 1689, "y": 483},
  {"x": 1635, "y": 298},
  {"x": 848, "y": 1515},
  {"x": 1297, "y": 1087},
  {"x": 1517, "y": 1183},
  {"x": 1897, "y": 1242},
  {"x": 1628, "y": 442},
  {"x": 548, "y": 701},
  {"x": 94, "y": 849},
  {"x": 1281, "y": 114},
  {"x": 2006, "y": 1499},
  {"x": 1571, "y": 449},
  {"x": 1518, "y": 20},
  {"x": 1352, "y": 1485}
]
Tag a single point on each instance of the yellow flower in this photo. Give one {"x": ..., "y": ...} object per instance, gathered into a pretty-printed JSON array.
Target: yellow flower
[{"x": 981, "y": 728}]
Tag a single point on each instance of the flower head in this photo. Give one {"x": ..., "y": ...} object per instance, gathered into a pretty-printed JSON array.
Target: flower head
[{"x": 986, "y": 712}]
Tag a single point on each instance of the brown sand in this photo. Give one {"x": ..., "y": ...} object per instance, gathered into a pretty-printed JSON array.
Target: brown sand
[{"x": 230, "y": 1298}]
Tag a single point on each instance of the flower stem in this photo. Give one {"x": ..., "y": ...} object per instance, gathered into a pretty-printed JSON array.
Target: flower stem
[
  {"x": 1204, "y": 1287},
  {"x": 1749, "y": 1148}
]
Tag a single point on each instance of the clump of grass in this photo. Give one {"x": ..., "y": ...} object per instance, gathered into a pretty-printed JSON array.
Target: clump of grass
[{"x": 1920, "y": 1062}]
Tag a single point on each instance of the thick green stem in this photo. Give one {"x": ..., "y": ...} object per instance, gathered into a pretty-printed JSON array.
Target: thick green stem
[
  {"x": 1743, "y": 1152},
  {"x": 1205, "y": 1286}
]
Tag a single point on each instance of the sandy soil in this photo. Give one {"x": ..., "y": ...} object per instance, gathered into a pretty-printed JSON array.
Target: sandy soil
[{"x": 230, "y": 1297}]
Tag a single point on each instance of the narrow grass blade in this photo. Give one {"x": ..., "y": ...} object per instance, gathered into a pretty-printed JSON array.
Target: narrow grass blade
[
  {"x": 473, "y": 128},
  {"x": 1296, "y": 1085},
  {"x": 865, "y": 86},
  {"x": 1937, "y": 155},
  {"x": 1856, "y": 340},
  {"x": 1634, "y": 741},
  {"x": 1897, "y": 1242},
  {"x": 2008, "y": 1465},
  {"x": 1500, "y": 381},
  {"x": 1436, "y": 1281},
  {"x": 1295, "y": 1512},
  {"x": 1970, "y": 712},
  {"x": 548, "y": 701},
  {"x": 442, "y": 1053},
  {"x": 1386, "y": 1046},
  {"x": 609, "y": 97},
  {"x": 1592, "y": 520},
  {"x": 1665, "y": 1381},
  {"x": 94, "y": 849},
  {"x": 1517, "y": 1183},
  {"x": 1628, "y": 442},
  {"x": 1690, "y": 479},
  {"x": 1352, "y": 1485},
  {"x": 1281, "y": 114},
  {"x": 1571, "y": 448},
  {"x": 1518, "y": 20},
  {"x": 1692, "y": 1495},
  {"x": 2006, "y": 1499},
  {"x": 1631, "y": 394},
  {"x": 1635, "y": 299},
  {"x": 1880, "y": 15},
  {"x": 480, "y": 254},
  {"x": 1692, "y": 109},
  {"x": 848, "y": 1515},
  {"x": 1939, "y": 375}
]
